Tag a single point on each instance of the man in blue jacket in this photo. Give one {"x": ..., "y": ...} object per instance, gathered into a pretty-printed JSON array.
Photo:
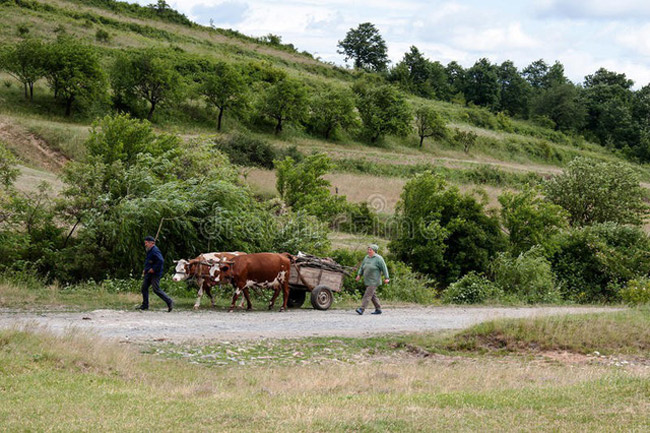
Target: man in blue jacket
[{"x": 153, "y": 270}]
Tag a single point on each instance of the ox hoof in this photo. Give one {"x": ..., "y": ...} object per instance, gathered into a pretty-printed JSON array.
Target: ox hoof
[
  {"x": 230, "y": 310},
  {"x": 196, "y": 307},
  {"x": 282, "y": 310}
]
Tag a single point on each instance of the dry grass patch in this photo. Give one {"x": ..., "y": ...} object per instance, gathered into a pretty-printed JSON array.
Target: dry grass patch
[{"x": 76, "y": 383}]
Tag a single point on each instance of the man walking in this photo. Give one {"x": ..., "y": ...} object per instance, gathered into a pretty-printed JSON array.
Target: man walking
[
  {"x": 371, "y": 268},
  {"x": 153, "y": 270}
]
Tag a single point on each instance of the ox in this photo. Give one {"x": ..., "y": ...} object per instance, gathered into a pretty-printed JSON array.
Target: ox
[
  {"x": 199, "y": 269},
  {"x": 267, "y": 270}
]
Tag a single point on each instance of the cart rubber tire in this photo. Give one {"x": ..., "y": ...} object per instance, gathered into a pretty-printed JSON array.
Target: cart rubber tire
[
  {"x": 296, "y": 298},
  {"x": 321, "y": 297}
]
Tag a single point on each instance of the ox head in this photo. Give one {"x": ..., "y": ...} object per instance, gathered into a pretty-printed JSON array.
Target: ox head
[
  {"x": 222, "y": 271},
  {"x": 182, "y": 270}
]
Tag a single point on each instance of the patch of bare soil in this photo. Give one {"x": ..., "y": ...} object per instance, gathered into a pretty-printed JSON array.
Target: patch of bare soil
[{"x": 29, "y": 147}]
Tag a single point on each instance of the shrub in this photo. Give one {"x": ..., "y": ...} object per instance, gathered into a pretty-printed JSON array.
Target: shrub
[
  {"x": 464, "y": 139},
  {"x": 591, "y": 261},
  {"x": 472, "y": 288},
  {"x": 636, "y": 292},
  {"x": 482, "y": 118},
  {"x": 596, "y": 192},
  {"x": 443, "y": 232},
  {"x": 528, "y": 276},
  {"x": 247, "y": 150},
  {"x": 102, "y": 35},
  {"x": 530, "y": 219},
  {"x": 406, "y": 285}
]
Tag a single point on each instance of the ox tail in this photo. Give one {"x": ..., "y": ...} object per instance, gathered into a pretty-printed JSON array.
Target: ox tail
[{"x": 291, "y": 257}]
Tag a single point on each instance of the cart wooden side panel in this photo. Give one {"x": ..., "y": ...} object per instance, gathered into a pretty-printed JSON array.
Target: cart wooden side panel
[{"x": 316, "y": 277}]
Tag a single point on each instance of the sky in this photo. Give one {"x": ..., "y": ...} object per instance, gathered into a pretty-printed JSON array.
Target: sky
[{"x": 583, "y": 35}]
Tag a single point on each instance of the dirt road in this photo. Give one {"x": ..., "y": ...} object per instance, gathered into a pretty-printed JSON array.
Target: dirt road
[{"x": 206, "y": 325}]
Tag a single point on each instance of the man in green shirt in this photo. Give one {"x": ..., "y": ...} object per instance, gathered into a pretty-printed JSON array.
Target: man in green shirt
[{"x": 371, "y": 268}]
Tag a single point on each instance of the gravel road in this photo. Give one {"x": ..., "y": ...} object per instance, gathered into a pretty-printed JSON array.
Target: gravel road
[{"x": 183, "y": 326}]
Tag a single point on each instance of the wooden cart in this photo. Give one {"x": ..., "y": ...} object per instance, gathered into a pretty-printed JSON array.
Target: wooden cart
[{"x": 321, "y": 280}]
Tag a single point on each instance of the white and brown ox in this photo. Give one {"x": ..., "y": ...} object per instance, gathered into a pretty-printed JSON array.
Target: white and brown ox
[
  {"x": 198, "y": 268},
  {"x": 266, "y": 270}
]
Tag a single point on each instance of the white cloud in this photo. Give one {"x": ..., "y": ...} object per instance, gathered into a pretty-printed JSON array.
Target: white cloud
[
  {"x": 636, "y": 40},
  {"x": 494, "y": 39},
  {"x": 595, "y": 9}
]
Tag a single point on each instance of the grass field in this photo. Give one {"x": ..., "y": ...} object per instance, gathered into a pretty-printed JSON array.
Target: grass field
[{"x": 76, "y": 382}]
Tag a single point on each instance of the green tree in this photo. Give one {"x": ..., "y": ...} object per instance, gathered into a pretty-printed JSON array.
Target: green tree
[
  {"x": 24, "y": 62},
  {"x": 482, "y": 84},
  {"x": 443, "y": 232},
  {"x": 366, "y": 47},
  {"x": 596, "y": 192},
  {"x": 429, "y": 124},
  {"x": 420, "y": 76},
  {"x": 284, "y": 101},
  {"x": 384, "y": 110},
  {"x": 223, "y": 88},
  {"x": 331, "y": 109},
  {"x": 562, "y": 104},
  {"x": 74, "y": 72},
  {"x": 147, "y": 76},
  {"x": 530, "y": 219},
  {"x": 456, "y": 76},
  {"x": 609, "y": 102},
  {"x": 303, "y": 186},
  {"x": 514, "y": 91}
]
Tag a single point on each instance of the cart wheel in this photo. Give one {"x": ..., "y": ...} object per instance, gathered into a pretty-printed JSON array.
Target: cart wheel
[
  {"x": 296, "y": 298},
  {"x": 321, "y": 297}
]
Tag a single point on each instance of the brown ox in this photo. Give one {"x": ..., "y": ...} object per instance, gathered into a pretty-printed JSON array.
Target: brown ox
[
  {"x": 257, "y": 270},
  {"x": 199, "y": 269}
]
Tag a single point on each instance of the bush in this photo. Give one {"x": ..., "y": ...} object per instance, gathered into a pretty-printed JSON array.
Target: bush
[
  {"x": 596, "y": 192},
  {"x": 443, "y": 232},
  {"x": 102, "y": 35},
  {"x": 527, "y": 276},
  {"x": 406, "y": 285},
  {"x": 591, "y": 262},
  {"x": 473, "y": 288},
  {"x": 637, "y": 292},
  {"x": 247, "y": 150}
]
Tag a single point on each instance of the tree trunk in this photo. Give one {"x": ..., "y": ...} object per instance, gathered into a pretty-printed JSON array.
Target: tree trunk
[
  {"x": 219, "y": 119},
  {"x": 68, "y": 106},
  {"x": 150, "y": 115},
  {"x": 31, "y": 92},
  {"x": 278, "y": 127},
  {"x": 328, "y": 131},
  {"x": 25, "y": 86},
  {"x": 421, "y": 140}
]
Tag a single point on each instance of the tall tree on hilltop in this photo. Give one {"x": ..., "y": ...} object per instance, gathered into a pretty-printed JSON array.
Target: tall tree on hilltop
[
  {"x": 609, "y": 101},
  {"x": 481, "y": 84},
  {"x": 514, "y": 91},
  {"x": 366, "y": 47}
]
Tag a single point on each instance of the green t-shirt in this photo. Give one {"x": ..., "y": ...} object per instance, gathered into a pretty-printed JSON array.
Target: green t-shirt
[{"x": 371, "y": 268}]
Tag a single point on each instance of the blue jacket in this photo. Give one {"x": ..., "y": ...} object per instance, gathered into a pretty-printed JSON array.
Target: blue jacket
[{"x": 155, "y": 261}]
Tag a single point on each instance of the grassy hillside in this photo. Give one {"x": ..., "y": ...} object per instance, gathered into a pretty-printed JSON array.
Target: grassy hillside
[{"x": 507, "y": 154}]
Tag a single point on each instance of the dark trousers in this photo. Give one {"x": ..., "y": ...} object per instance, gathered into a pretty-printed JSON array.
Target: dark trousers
[{"x": 153, "y": 281}]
